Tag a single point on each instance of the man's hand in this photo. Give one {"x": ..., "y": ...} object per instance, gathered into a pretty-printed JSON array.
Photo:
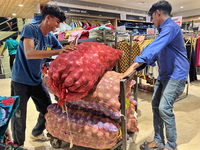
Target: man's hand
[
  {"x": 131, "y": 69},
  {"x": 66, "y": 48},
  {"x": 70, "y": 47},
  {"x": 2, "y": 55}
]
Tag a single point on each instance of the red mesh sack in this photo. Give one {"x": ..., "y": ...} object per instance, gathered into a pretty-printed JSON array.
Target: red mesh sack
[
  {"x": 104, "y": 96},
  {"x": 130, "y": 115},
  {"x": 87, "y": 129},
  {"x": 73, "y": 74}
]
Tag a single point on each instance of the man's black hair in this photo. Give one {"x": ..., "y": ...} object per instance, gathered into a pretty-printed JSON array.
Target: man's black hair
[
  {"x": 53, "y": 11},
  {"x": 163, "y": 6}
]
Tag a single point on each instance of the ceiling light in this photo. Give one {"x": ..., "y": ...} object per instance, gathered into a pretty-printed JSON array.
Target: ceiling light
[
  {"x": 14, "y": 14},
  {"x": 21, "y": 5},
  {"x": 141, "y": 3},
  {"x": 181, "y": 7}
]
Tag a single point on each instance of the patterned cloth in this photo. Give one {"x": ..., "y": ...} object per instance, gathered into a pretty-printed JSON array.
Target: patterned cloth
[
  {"x": 145, "y": 44},
  {"x": 124, "y": 61},
  {"x": 123, "y": 64},
  {"x": 135, "y": 53},
  {"x": 12, "y": 147},
  {"x": 8, "y": 105}
]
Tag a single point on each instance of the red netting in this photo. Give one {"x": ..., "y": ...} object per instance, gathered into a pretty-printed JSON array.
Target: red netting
[
  {"x": 79, "y": 70},
  {"x": 87, "y": 129}
]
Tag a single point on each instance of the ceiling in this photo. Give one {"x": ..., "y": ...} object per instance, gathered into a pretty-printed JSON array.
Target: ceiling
[
  {"x": 146, "y": 4},
  {"x": 10, "y": 7}
]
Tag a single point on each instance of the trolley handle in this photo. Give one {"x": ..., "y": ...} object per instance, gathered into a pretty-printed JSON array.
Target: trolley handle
[{"x": 126, "y": 79}]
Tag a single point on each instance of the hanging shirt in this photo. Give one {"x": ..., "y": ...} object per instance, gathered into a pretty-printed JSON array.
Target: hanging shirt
[
  {"x": 169, "y": 51},
  {"x": 26, "y": 71},
  {"x": 12, "y": 45}
]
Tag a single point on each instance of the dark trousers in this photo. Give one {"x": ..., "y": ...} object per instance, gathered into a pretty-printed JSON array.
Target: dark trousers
[
  {"x": 12, "y": 57},
  {"x": 42, "y": 100}
]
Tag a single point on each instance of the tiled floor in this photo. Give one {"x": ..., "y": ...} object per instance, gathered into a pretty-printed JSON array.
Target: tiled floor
[{"x": 187, "y": 113}]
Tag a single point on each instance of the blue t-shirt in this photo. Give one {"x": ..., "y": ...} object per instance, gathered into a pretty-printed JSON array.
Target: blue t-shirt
[
  {"x": 26, "y": 71},
  {"x": 169, "y": 51}
]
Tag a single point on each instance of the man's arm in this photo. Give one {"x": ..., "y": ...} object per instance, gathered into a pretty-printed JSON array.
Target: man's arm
[
  {"x": 31, "y": 53},
  {"x": 131, "y": 69},
  {"x": 3, "y": 52},
  {"x": 149, "y": 55}
]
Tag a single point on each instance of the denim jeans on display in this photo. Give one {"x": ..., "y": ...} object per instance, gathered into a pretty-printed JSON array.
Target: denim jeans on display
[{"x": 165, "y": 94}]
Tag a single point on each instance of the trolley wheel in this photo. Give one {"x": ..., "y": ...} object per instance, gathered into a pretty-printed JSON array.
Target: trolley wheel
[{"x": 55, "y": 143}]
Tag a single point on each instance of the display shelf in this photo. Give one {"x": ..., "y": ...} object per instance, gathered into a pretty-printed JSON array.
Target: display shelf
[
  {"x": 80, "y": 40},
  {"x": 87, "y": 40},
  {"x": 135, "y": 28}
]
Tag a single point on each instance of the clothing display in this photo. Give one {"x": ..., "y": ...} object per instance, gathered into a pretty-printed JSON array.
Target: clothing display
[
  {"x": 8, "y": 106},
  {"x": 124, "y": 61},
  {"x": 136, "y": 27},
  {"x": 190, "y": 55},
  {"x": 197, "y": 53},
  {"x": 84, "y": 24}
]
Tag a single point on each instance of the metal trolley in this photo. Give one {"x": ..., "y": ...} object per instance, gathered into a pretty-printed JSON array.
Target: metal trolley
[{"x": 124, "y": 144}]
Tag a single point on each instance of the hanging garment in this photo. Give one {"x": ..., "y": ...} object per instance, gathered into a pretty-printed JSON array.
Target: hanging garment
[
  {"x": 139, "y": 39},
  {"x": 197, "y": 49},
  {"x": 190, "y": 56},
  {"x": 67, "y": 33},
  {"x": 135, "y": 53},
  {"x": 123, "y": 64},
  {"x": 124, "y": 61},
  {"x": 75, "y": 34}
]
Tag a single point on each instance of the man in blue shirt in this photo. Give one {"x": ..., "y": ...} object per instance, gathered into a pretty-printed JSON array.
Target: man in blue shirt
[
  {"x": 169, "y": 51},
  {"x": 36, "y": 43},
  {"x": 12, "y": 45}
]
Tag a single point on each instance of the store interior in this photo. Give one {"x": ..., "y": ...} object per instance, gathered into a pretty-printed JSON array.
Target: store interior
[{"x": 126, "y": 26}]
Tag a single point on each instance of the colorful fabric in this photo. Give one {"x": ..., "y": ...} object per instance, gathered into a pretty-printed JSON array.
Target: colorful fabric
[
  {"x": 197, "y": 53},
  {"x": 124, "y": 61},
  {"x": 67, "y": 33},
  {"x": 123, "y": 64},
  {"x": 75, "y": 34},
  {"x": 135, "y": 53},
  {"x": 8, "y": 105},
  {"x": 139, "y": 39},
  {"x": 12, "y": 147}
]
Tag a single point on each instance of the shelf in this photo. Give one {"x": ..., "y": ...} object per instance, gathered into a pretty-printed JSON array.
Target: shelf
[
  {"x": 136, "y": 28},
  {"x": 139, "y": 21},
  {"x": 87, "y": 40},
  {"x": 80, "y": 40}
]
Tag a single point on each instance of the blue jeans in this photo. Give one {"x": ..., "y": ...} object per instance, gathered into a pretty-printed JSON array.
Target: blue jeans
[{"x": 165, "y": 94}]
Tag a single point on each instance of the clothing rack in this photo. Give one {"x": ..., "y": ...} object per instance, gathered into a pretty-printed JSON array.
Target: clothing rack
[
  {"x": 197, "y": 34},
  {"x": 88, "y": 19},
  {"x": 190, "y": 34},
  {"x": 148, "y": 36}
]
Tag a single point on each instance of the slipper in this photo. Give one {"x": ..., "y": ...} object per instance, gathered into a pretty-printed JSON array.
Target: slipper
[{"x": 146, "y": 147}]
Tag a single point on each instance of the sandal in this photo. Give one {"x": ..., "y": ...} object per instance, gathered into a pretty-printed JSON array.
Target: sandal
[{"x": 145, "y": 146}]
